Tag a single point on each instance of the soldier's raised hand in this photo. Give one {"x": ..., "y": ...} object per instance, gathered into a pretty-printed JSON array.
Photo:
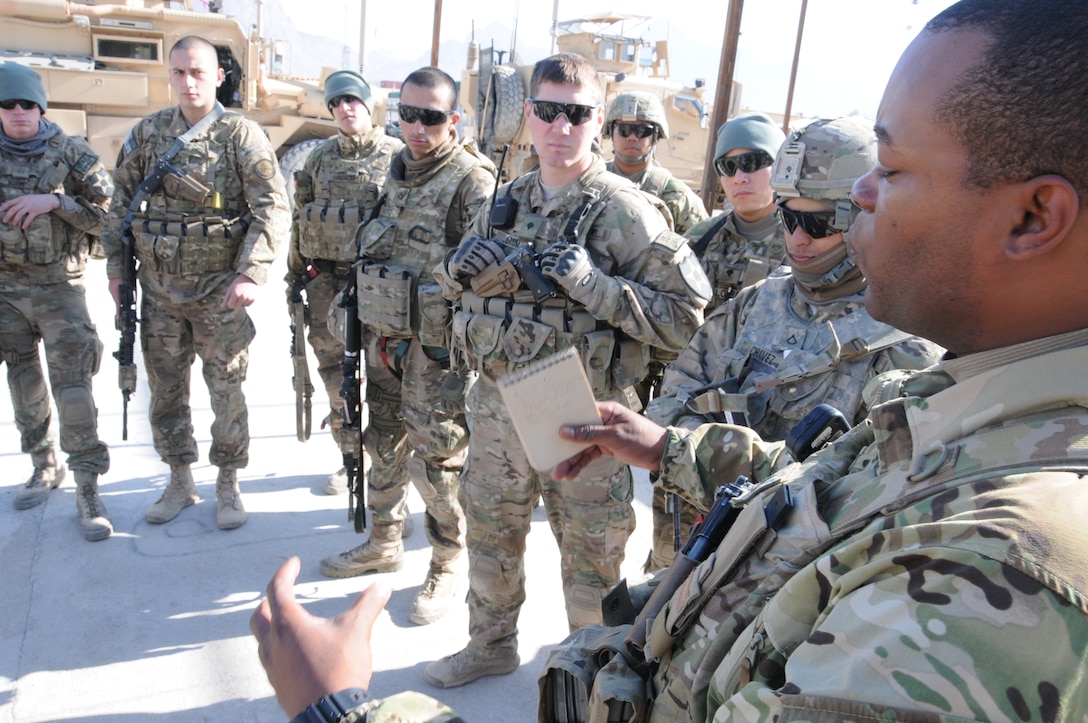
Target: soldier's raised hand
[
  {"x": 566, "y": 264},
  {"x": 474, "y": 255}
]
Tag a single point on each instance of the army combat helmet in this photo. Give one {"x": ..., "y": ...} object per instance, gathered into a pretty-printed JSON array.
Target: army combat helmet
[
  {"x": 348, "y": 82},
  {"x": 637, "y": 107},
  {"x": 820, "y": 162}
]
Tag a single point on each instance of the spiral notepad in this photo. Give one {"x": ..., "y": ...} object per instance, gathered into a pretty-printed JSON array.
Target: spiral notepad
[{"x": 543, "y": 396}]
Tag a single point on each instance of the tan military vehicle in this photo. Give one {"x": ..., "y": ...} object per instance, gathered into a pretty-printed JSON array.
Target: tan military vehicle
[
  {"x": 492, "y": 94},
  {"x": 104, "y": 65}
]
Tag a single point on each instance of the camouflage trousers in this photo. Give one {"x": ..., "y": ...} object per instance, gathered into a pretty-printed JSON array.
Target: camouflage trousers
[
  {"x": 328, "y": 350},
  {"x": 57, "y": 315},
  {"x": 415, "y": 431},
  {"x": 591, "y": 519},
  {"x": 172, "y": 334}
]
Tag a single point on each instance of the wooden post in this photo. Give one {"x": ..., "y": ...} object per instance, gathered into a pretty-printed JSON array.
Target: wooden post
[{"x": 723, "y": 99}]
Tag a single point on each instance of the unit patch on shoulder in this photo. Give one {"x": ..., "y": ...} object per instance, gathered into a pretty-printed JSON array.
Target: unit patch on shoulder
[
  {"x": 265, "y": 169},
  {"x": 84, "y": 164}
]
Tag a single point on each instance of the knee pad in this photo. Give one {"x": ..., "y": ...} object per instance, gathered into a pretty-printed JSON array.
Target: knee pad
[
  {"x": 485, "y": 573},
  {"x": 75, "y": 406},
  {"x": 583, "y": 605}
]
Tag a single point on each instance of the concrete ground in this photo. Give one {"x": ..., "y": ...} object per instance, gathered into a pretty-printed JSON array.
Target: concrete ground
[{"x": 154, "y": 621}]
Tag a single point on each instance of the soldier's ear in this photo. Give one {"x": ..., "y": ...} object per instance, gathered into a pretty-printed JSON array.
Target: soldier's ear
[
  {"x": 1048, "y": 207},
  {"x": 220, "y": 74}
]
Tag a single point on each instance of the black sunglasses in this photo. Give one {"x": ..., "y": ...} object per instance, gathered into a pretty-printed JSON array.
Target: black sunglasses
[
  {"x": 817, "y": 224},
  {"x": 24, "y": 104},
  {"x": 638, "y": 130},
  {"x": 340, "y": 99},
  {"x": 548, "y": 111},
  {"x": 747, "y": 162},
  {"x": 428, "y": 116}
]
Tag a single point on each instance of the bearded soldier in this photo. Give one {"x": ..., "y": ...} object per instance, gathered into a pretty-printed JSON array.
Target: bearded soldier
[
  {"x": 204, "y": 240},
  {"x": 55, "y": 192}
]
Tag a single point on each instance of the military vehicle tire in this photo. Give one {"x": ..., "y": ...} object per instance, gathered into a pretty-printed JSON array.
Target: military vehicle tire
[
  {"x": 293, "y": 160},
  {"x": 507, "y": 102}
]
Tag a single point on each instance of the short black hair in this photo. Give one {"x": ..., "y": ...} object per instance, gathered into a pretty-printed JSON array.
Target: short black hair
[
  {"x": 193, "y": 41},
  {"x": 1021, "y": 112},
  {"x": 432, "y": 77},
  {"x": 567, "y": 69}
]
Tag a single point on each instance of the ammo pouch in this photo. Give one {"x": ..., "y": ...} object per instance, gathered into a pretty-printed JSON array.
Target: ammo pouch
[
  {"x": 385, "y": 299},
  {"x": 597, "y": 355},
  {"x": 190, "y": 246},
  {"x": 39, "y": 243},
  {"x": 378, "y": 239},
  {"x": 328, "y": 232},
  {"x": 589, "y": 677},
  {"x": 434, "y": 316}
]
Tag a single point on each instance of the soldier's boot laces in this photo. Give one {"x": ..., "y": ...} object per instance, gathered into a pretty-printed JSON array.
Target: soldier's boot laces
[
  {"x": 179, "y": 494},
  {"x": 383, "y": 552},
  {"x": 434, "y": 599},
  {"x": 467, "y": 665},
  {"x": 43, "y": 480},
  {"x": 229, "y": 510},
  {"x": 94, "y": 518}
]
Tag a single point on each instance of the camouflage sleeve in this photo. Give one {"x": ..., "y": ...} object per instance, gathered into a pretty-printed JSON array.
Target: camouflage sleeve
[
  {"x": 304, "y": 194},
  {"x": 687, "y": 208},
  {"x": 699, "y": 364},
  {"x": 406, "y": 706},
  {"x": 925, "y": 633},
  {"x": 266, "y": 197},
  {"x": 473, "y": 194},
  {"x": 128, "y": 173},
  {"x": 87, "y": 190},
  {"x": 648, "y": 283},
  {"x": 696, "y": 462}
]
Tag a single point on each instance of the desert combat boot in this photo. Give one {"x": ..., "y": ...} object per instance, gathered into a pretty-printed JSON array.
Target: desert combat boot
[
  {"x": 434, "y": 599},
  {"x": 469, "y": 664},
  {"x": 47, "y": 476},
  {"x": 382, "y": 552},
  {"x": 94, "y": 518},
  {"x": 229, "y": 510},
  {"x": 179, "y": 494}
]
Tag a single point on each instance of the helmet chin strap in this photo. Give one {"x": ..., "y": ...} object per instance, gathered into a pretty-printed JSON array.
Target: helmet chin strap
[{"x": 635, "y": 160}]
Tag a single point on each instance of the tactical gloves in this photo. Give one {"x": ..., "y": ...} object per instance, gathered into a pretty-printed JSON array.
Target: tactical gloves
[
  {"x": 473, "y": 256},
  {"x": 568, "y": 265}
]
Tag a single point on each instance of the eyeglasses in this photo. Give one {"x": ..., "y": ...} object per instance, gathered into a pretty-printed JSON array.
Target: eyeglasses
[
  {"x": 638, "y": 130},
  {"x": 341, "y": 99},
  {"x": 576, "y": 113},
  {"x": 428, "y": 116},
  {"x": 817, "y": 224},
  {"x": 24, "y": 104},
  {"x": 748, "y": 162}
]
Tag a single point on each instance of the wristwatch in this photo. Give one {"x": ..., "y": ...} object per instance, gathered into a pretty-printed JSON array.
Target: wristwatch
[{"x": 333, "y": 708}]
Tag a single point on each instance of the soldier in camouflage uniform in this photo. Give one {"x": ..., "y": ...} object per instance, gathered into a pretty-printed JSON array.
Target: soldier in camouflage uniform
[
  {"x": 55, "y": 192},
  {"x": 737, "y": 248},
  {"x": 787, "y": 343},
  {"x": 635, "y": 122},
  {"x": 416, "y": 427},
  {"x": 623, "y": 283},
  {"x": 204, "y": 242},
  {"x": 932, "y": 566},
  {"x": 336, "y": 190}
]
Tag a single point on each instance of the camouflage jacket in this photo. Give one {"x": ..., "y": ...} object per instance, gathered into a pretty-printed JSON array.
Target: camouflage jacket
[
  {"x": 56, "y": 244},
  {"x": 931, "y": 569},
  {"x": 686, "y": 208},
  {"x": 731, "y": 261},
  {"x": 647, "y": 285},
  {"x": 784, "y": 356},
  {"x": 336, "y": 190},
  {"x": 194, "y": 246}
]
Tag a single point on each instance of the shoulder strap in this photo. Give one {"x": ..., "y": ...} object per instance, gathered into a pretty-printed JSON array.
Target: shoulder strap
[
  {"x": 594, "y": 196},
  {"x": 699, "y": 248}
]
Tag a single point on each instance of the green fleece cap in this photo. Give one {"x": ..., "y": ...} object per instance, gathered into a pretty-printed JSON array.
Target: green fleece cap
[{"x": 751, "y": 130}]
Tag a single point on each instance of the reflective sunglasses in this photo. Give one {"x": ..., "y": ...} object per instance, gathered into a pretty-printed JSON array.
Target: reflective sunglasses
[
  {"x": 548, "y": 111},
  {"x": 638, "y": 130},
  {"x": 24, "y": 104},
  {"x": 340, "y": 99},
  {"x": 817, "y": 224},
  {"x": 747, "y": 162},
  {"x": 428, "y": 116}
]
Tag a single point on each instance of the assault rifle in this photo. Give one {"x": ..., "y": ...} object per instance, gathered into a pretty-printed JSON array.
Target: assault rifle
[
  {"x": 304, "y": 390},
  {"x": 126, "y": 313},
  {"x": 351, "y": 435}
]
